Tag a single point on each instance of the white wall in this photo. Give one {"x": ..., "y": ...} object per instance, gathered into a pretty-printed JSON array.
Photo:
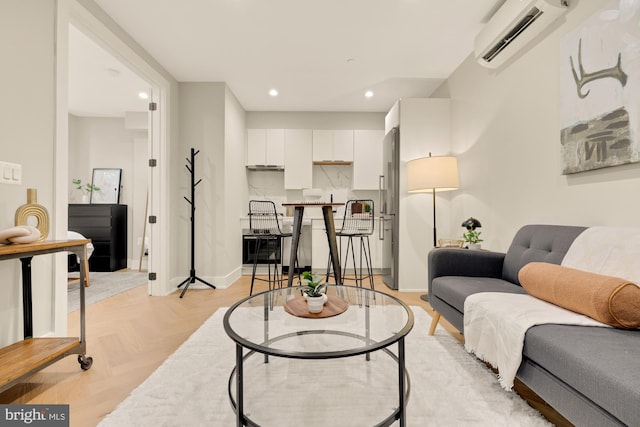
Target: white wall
[
  {"x": 506, "y": 134},
  {"x": 33, "y": 123},
  {"x": 424, "y": 129},
  {"x": 212, "y": 121},
  {"x": 27, "y": 132},
  {"x": 165, "y": 197},
  {"x": 236, "y": 186},
  {"x": 100, "y": 142}
]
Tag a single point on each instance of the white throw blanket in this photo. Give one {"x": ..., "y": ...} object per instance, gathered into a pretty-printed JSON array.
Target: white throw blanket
[
  {"x": 495, "y": 323},
  {"x": 610, "y": 251}
]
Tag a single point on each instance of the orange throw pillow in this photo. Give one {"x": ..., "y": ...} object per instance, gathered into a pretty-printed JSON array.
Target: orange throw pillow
[{"x": 610, "y": 300}]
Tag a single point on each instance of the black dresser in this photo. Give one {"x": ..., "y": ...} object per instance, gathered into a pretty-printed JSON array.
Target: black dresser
[{"x": 106, "y": 226}]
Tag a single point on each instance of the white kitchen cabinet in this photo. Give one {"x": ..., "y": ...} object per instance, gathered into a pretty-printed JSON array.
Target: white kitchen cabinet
[
  {"x": 265, "y": 147},
  {"x": 322, "y": 145},
  {"x": 343, "y": 145},
  {"x": 275, "y": 147},
  {"x": 298, "y": 159},
  {"x": 256, "y": 146},
  {"x": 333, "y": 145},
  {"x": 367, "y": 159}
]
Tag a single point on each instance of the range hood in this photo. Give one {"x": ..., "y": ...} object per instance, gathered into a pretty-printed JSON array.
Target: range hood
[
  {"x": 265, "y": 167},
  {"x": 332, "y": 163}
]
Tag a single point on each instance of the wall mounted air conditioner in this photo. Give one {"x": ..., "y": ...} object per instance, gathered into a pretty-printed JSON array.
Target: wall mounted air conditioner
[{"x": 513, "y": 26}]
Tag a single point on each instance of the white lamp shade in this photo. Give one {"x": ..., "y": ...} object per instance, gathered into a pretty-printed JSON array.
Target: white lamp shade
[{"x": 427, "y": 174}]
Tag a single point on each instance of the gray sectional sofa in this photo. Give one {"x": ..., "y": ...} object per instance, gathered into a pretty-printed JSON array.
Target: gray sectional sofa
[{"x": 590, "y": 375}]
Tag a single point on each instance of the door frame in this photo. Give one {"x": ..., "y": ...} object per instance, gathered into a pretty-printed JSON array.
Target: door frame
[{"x": 72, "y": 12}]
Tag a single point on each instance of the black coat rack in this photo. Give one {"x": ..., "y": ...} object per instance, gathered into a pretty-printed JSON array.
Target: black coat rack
[{"x": 191, "y": 167}]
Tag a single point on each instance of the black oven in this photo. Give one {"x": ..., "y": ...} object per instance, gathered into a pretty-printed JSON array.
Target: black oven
[{"x": 270, "y": 249}]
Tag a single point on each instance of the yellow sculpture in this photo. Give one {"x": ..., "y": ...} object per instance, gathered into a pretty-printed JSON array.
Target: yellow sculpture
[{"x": 32, "y": 208}]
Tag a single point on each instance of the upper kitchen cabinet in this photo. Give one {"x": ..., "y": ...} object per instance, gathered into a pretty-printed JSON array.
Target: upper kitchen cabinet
[
  {"x": 265, "y": 147},
  {"x": 298, "y": 159},
  {"x": 367, "y": 159},
  {"x": 333, "y": 146}
]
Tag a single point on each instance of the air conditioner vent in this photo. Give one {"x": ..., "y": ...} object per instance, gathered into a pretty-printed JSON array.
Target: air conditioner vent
[
  {"x": 531, "y": 16},
  {"x": 514, "y": 26}
]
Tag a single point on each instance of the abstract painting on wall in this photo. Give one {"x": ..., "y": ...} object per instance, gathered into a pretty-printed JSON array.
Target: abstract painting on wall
[{"x": 600, "y": 90}]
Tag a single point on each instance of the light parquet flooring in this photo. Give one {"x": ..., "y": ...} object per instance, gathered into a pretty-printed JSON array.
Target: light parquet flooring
[{"x": 129, "y": 336}]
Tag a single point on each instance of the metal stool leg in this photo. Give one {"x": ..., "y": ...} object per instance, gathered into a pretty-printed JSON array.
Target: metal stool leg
[
  {"x": 255, "y": 265},
  {"x": 368, "y": 260},
  {"x": 269, "y": 262},
  {"x": 353, "y": 258}
]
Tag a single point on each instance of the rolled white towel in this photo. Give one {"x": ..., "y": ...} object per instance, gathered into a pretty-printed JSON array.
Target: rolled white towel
[{"x": 72, "y": 235}]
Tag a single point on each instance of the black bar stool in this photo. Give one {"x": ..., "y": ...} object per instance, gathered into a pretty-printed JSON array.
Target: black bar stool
[
  {"x": 265, "y": 226},
  {"x": 357, "y": 224}
]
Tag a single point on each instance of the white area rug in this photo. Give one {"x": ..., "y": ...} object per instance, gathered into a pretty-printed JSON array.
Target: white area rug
[
  {"x": 449, "y": 387},
  {"x": 103, "y": 286}
]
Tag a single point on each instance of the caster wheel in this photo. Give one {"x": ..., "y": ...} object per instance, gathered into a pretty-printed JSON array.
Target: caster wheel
[{"x": 85, "y": 362}]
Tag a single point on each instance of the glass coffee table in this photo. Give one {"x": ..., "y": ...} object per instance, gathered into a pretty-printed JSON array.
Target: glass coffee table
[{"x": 297, "y": 368}]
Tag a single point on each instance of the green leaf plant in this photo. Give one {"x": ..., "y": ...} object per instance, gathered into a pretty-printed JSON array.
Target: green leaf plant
[{"x": 312, "y": 284}]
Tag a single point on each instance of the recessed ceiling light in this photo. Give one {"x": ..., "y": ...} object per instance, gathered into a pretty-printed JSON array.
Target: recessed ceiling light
[
  {"x": 273, "y": 92},
  {"x": 143, "y": 95},
  {"x": 368, "y": 94}
]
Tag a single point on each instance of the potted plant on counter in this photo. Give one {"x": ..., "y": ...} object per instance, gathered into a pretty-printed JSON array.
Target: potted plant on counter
[{"x": 314, "y": 291}]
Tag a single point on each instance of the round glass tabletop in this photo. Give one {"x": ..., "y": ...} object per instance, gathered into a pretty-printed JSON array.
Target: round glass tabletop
[{"x": 372, "y": 320}]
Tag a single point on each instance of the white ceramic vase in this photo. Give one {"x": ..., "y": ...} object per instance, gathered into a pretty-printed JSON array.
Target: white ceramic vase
[
  {"x": 316, "y": 304},
  {"x": 475, "y": 246}
]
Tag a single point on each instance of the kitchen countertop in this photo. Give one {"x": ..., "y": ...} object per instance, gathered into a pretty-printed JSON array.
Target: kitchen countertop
[{"x": 286, "y": 220}]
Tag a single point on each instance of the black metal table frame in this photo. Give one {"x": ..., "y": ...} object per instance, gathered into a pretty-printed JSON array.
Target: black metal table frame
[
  {"x": 329, "y": 225},
  {"x": 404, "y": 386}
]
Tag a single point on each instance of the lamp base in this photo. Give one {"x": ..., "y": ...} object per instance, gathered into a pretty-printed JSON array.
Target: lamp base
[{"x": 425, "y": 297}]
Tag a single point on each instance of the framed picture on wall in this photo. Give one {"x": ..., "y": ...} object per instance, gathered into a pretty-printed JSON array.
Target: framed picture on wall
[
  {"x": 600, "y": 90},
  {"x": 106, "y": 184}
]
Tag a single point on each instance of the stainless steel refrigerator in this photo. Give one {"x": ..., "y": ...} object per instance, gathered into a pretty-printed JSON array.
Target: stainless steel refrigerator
[{"x": 389, "y": 207}]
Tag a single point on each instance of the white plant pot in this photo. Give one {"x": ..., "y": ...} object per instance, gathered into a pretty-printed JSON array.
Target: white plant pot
[
  {"x": 85, "y": 199},
  {"x": 475, "y": 246},
  {"x": 316, "y": 304}
]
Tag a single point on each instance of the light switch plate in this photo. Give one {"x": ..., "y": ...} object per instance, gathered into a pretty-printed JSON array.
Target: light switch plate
[{"x": 11, "y": 173}]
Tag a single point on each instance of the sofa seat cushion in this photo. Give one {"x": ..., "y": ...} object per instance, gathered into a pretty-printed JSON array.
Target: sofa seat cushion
[
  {"x": 455, "y": 289},
  {"x": 603, "y": 364}
]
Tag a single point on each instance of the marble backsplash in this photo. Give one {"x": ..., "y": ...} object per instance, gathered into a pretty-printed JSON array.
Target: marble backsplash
[{"x": 329, "y": 180}]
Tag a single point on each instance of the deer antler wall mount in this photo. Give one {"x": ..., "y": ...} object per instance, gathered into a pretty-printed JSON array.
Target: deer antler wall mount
[{"x": 614, "y": 72}]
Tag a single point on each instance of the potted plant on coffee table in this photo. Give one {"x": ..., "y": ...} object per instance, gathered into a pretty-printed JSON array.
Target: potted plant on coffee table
[{"x": 314, "y": 291}]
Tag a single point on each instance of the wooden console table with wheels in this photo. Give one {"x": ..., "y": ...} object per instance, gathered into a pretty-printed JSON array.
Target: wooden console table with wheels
[{"x": 20, "y": 360}]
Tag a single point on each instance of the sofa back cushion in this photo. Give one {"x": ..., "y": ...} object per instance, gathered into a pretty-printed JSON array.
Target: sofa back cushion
[{"x": 538, "y": 243}]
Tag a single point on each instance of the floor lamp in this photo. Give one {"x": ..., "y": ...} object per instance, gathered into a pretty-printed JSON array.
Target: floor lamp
[{"x": 431, "y": 174}]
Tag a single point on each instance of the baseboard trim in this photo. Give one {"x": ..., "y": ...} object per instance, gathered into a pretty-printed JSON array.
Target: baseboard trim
[{"x": 222, "y": 282}]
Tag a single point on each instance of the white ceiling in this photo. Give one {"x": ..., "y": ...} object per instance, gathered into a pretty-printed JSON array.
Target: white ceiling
[
  {"x": 99, "y": 84},
  {"x": 321, "y": 55}
]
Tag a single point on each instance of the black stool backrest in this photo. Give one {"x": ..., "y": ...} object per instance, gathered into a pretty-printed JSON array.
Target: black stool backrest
[
  {"x": 358, "y": 217},
  {"x": 263, "y": 218}
]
